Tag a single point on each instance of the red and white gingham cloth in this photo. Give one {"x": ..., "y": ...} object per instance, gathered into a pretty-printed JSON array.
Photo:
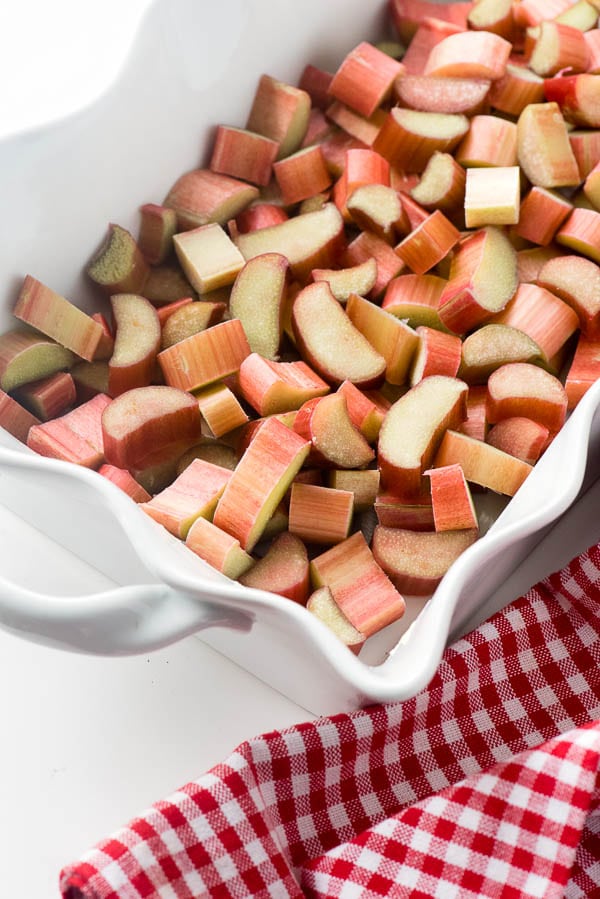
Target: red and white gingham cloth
[{"x": 487, "y": 783}]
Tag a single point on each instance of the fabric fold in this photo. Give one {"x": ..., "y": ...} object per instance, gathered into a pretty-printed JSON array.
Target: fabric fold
[{"x": 284, "y": 803}]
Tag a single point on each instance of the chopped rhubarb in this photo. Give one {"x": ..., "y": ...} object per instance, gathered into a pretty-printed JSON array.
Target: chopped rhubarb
[
  {"x": 417, "y": 561},
  {"x": 283, "y": 569},
  {"x": 320, "y": 514},
  {"x": 205, "y": 357},
  {"x": 194, "y": 493}
]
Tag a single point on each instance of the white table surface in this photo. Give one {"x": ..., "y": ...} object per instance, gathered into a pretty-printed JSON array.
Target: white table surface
[{"x": 90, "y": 742}]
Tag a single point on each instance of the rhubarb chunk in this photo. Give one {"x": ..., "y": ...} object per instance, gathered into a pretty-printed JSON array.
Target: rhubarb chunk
[
  {"x": 283, "y": 570},
  {"x": 192, "y": 494}
]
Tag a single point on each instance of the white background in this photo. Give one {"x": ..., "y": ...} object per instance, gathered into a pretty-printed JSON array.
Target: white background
[{"x": 89, "y": 743}]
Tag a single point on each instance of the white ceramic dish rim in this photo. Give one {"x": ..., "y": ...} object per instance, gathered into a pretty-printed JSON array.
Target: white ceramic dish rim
[{"x": 141, "y": 617}]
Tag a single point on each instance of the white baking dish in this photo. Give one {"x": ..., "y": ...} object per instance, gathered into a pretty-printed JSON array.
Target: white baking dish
[{"x": 193, "y": 66}]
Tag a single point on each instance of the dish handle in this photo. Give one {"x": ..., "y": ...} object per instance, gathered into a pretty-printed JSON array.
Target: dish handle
[{"x": 123, "y": 620}]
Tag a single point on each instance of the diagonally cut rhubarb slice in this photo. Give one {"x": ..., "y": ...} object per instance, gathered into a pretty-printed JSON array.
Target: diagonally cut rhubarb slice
[
  {"x": 408, "y": 138},
  {"x": 272, "y": 387},
  {"x": 218, "y": 548},
  {"x": 577, "y": 282},
  {"x": 260, "y": 481},
  {"x": 491, "y": 346},
  {"x": 136, "y": 344},
  {"x": 257, "y": 298},
  {"x": 523, "y": 389},
  {"x": 322, "y": 604},
  {"x": 483, "y": 278},
  {"x": 313, "y": 240},
  {"x": 26, "y": 356},
  {"x": 358, "y": 585},
  {"x": 391, "y": 337},
  {"x": 283, "y": 569},
  {"x": 192, "y": 494},
  {"x": 413, "y": 428},
  {"x": 75, "y": 437},
  {"x": 482, "y": 464},
  {"x": 416, "y": 561},
  {"x": 329, "y": 341},
  {"x": 57, "y": 318},
  {"x": 336, "y": 442},
  {"x": 545, "y": 154}
]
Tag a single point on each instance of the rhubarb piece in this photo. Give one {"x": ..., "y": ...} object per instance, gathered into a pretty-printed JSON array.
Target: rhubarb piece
[
  {"x": 495, "y": 16},
  {"x": 584, "y": 369},
  {"x": 415, "y": 213},
  {"x": 592, "y": 39},
  {"x": 208, "y": 257},
  {"x": 521, "y": 437},
  {"x": 529, "y": 13},
  {"x": 322, "y": 605},
  {"x": 530, "y": 262},
  {"x": 358, "y": 279},
  {"x": 149, "y": 426},
  {"x": 490, "y": 140},
  {"x": 517, "y": 88},
  {"x": 585, "y": 145},
  {"x": 307, "y": 241},
  {"x": 368, "y": 246},
  {"x": 158, "y": 224},
  {"x": 492, "y": 196},
  {"x": 458, "y": 96},
  {"x": 412, "y": 430},
  {"x": 205, "y": 357},
  {"x": 557, "y": 47},
  {"x": 416, "y": 561},
  {"x": 577, "y": 282},
  {"x": 90, "y": 378},
  {"x": 428, "y": 35},
  {"x": 581, "y": 232},
  {"x": 57, "y": 318},
  {"x": 438, "y": 353},
  {"x": 329, "y": 341},
  {"x": 167, "y": 284},
  {"x": 210, "y": 450},
  {"x": 218, "y": 548},
  {"x": 359, "y": 587},
  {"x": 283, "y": 570},
  {"x": 429, "y": 243},
  {"x": 14, "y": 418},
  {"x": 476, "y": 423},
  {"x": 360, "y": 128},
  {"x": 364, "y": 79},
  {"x": 106, "y": 342},
  {"x": 202, "y": 197},
  {"x": 243, "y": 154},
  {"x": 272, "y": 387},
  {"x": 492, "y": 346},
  {"x": 581, "y": 15},
  {"x": 408, "y": 14},
  {"x": 408, "y": 138},
  {"x": 74, "y": 437},
  {"x": 394, "y": 512},
  {"x": 362, "y": 167},
  {"x": 280, "y": 112},
  {"x": 442, "y": 184},
  {"x": 302, "y": 174},
  {"x": 26, "y": 356},
  {"x": 469, "y": 54},
  {"x": 520, "y": 388},
  {"x": 415, "y": 298},
  {"x": 136, "y": 345},
  {"x": 542, "y": 316},
  {"x": 337, "y": 144},
  {"x": 193, "y": 494},
  {"x": 542, "y": 213},
  {"x": 377, "y": 208},
  {"x": 49, "y": 397},
  {"x": 483, "y": 278},
  {"x": 365, "y": 414},
  {"x": 482, "y": 464},
  {"x": 119, "y": 265},
  {"x": 315, "y": 82},
  {"x": 257, "y": 298},
  {"x": 189, "y": 319},
  {"x": 451, "y": 500},
  {"x": 394, "y": 340},
  {"x": 336, "y": 442},
  {"x": 545, "y": 154},
  {"x": 260, "y": 481},
  {"x": 260, "y": 215},
  {"x": 578, "y": 97},
  {"x": 220, "y": 409},
  {"x": 125, "y": 481},
  {"x": 363, "y": 485},
  {"x": 320, "y": 514}
]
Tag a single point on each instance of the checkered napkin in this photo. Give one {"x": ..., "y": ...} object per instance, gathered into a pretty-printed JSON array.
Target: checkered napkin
[{"x": 487, "y": 783}]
